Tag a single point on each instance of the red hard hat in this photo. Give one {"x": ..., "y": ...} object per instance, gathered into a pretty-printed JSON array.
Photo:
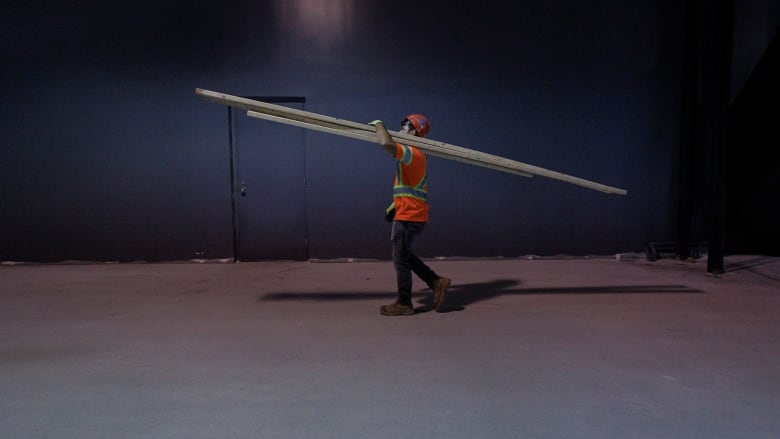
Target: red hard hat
[{"x": 420, "y": 123}]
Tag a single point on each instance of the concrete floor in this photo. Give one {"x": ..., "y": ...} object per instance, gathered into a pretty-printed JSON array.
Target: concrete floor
[{"x": 561, "y": 348}]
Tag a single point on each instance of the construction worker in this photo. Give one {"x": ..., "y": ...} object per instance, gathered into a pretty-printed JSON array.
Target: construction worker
[{"x": 409, "y": 214}]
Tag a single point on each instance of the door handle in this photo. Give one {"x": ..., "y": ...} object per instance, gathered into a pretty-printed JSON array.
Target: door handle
[{"x": 242, "y": 189}]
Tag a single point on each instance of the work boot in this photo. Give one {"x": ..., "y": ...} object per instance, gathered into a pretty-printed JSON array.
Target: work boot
[
  {"x": 396, "y": 309},
  {"x": 440, "y": 292}
]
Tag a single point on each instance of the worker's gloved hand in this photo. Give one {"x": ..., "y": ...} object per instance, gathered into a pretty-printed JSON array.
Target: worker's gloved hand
[
  {"x": 390, "y": 212},
  {"x": 374, "y": 122}
]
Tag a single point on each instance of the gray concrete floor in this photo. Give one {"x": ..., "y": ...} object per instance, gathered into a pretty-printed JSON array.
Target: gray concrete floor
[{"x": 563, "y": 348}]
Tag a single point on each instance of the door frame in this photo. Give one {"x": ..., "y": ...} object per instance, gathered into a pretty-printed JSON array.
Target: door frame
[{"x": 235, "y": 190}]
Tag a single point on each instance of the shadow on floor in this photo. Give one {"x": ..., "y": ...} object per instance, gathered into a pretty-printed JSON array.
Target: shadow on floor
[
  {"x": 750, "y": 263},
  {"x": 462, "y": 295}
]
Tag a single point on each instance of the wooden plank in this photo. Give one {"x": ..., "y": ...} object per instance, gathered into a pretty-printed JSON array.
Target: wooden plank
[
  {"x": 366, "y": 132},
  {"x": 371, "y": 137}
]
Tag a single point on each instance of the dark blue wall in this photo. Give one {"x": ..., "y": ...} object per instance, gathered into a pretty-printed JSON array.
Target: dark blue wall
[{"x": 109, "y": 155}]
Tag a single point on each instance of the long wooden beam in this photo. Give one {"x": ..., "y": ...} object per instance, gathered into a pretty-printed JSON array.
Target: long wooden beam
[
  {"x": 366, "y": 132},
  {"x": 371, "y": 137}
]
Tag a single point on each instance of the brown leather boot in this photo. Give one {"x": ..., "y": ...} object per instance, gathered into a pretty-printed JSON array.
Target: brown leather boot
[
  {"x": 396, "y": 309},
  {"x": 440, "y": 292}
]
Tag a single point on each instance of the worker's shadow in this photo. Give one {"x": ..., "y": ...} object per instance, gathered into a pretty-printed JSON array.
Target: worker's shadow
[{"x": 461, "y": 296}]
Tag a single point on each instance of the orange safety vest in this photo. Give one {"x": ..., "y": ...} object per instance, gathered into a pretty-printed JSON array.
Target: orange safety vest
[{"x": 410, "y": 189}]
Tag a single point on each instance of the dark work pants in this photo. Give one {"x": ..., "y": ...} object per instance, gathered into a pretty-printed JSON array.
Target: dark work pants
[{"x": 403, "y": 236}]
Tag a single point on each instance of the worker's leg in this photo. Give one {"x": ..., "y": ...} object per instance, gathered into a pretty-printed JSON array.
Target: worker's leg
[
  {"x": 423, "y": 271},
  {"x": 403, "y": 237}
]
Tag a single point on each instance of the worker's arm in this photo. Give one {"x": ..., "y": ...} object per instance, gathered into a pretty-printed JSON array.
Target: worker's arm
[{"x": 384, "y": 138}]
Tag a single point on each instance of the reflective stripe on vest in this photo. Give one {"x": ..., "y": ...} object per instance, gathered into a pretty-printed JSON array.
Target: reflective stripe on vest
[
  {"x": 406, "y": 157},
  {"x": 401, "y": 190}
]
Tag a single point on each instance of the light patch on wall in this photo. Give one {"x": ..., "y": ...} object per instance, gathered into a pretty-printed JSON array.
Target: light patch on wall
[{"x": 322, "y": 22}]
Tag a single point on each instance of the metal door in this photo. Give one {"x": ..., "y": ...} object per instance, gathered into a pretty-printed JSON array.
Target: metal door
[{"x": 269, "y": 186}]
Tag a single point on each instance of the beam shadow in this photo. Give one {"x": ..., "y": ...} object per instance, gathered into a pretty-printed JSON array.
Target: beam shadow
[
  {"x": 462, "y": 295},
  {"x": 754, "y": 262}
]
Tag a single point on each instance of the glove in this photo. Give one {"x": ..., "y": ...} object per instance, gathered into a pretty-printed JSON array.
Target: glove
[
  {"x": 390, "y": 212},
  {"x": 374, "y": 122}
]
